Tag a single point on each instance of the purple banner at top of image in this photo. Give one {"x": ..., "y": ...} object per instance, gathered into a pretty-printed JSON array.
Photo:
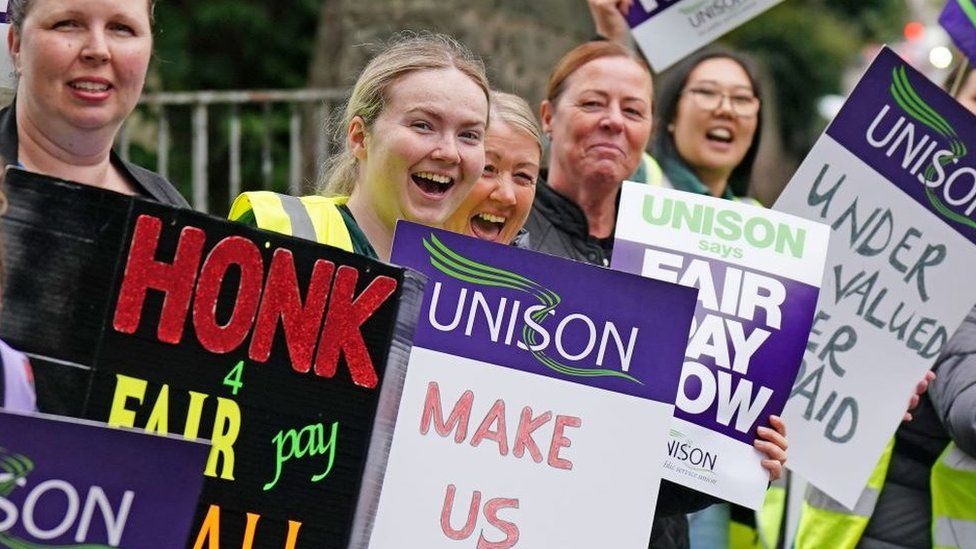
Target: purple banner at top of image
[
  {"x": 774, "y": 364},
  {"x": 916, "y": 136},
  {"x": 641, "y": 11},
  {"x": 79, "y": 484},
  {"x": 546, "y": 315}
]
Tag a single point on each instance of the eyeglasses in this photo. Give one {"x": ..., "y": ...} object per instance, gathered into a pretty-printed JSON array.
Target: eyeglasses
[{"x": 709, "y": 99}]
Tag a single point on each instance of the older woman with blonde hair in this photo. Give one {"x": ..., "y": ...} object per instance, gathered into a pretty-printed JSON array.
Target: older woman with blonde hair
[
  {"x": 500, "y": 202},
  {"x": 414, "y": 130}
]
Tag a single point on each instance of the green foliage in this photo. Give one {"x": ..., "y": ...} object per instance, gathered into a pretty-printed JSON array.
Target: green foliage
[
  {"x": 806, "y": 46},
  {"x": 234, "y": 44}
]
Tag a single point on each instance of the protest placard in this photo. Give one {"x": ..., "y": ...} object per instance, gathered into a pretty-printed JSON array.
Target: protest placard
[
  {"x": 758, "y": 274},
  {"x": 669, "y": 30},
  {"x": 537, "y": 400},
  {"x": 273, "y": 348},
  {"x": 895, "y": 178},
  {"x": 71, "y": 483},
  {"x": 8, "y": 77}
]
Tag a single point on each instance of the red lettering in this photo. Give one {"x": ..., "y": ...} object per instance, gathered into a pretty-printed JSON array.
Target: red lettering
[
  {"x": 457, "y": 420},
  {"x": 283, "y": 300},
  {"x": 468, "y": 528},
  {"x": 510, "y": 529},
  {"x": 342, "y": 334},
  {"x": 233, "y": 250},
  {"x": 143, "y": 272},
  {"x": 496, "y": 415},
  {"x": 523, "y": 436},
  {"x": 560, "y": 441}
]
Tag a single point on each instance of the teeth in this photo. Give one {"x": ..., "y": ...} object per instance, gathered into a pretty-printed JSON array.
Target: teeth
[
  {"x": 89, "y": 86},
  {"x": 436, "y": 178},
  {"x": 721, "y": 133},
  {"x": 492, "y": 218}
]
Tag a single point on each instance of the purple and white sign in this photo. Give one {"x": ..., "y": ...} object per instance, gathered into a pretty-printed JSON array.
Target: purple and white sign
[
  {"x": 73, "y": 483},
  {"x": 758, "y": 275},
  {"x": 8, "y": 76},
  {"x": 668, "y": 30},
  {"x": 537, "y": 400},
  {"x": 894, "y": 176}
]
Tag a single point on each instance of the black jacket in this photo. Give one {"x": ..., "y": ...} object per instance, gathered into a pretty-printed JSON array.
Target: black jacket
[
  {"x": 149, "y": 184},
  {"x": 557, "y": 226}
]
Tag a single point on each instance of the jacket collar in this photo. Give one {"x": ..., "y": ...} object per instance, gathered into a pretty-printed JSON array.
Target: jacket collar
[{"x": 9, "y": 145}]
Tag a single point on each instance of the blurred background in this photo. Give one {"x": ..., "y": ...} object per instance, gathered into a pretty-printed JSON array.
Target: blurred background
[{"x": 241, "y": 93}]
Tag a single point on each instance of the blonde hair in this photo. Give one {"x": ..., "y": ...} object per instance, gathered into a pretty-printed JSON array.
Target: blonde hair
[
  {"x": 405, "y": 54},
  {"x": 515, "y": 111}
]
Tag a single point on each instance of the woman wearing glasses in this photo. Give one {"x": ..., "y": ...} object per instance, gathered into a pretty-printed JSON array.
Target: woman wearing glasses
[{"x": 709, "y": 123}]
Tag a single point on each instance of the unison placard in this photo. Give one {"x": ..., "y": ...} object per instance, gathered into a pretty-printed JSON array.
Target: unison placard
[
  {"x": 895, "y": 177},
  {"x": 758, "y": 273},
  {"x": 77, "y": 484},
  {"x": 668, "y": 30},
  {"x": 537, "y": 400}
]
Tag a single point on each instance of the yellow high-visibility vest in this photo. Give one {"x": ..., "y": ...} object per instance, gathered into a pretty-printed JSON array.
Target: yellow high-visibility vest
[{"x": 313, "y": 217}]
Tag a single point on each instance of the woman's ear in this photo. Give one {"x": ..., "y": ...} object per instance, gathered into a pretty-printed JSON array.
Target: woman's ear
[
  {"x": 545, "y": 115},
  {"x": 13, "y": 46},
  {"x": 356, "y": 138}
]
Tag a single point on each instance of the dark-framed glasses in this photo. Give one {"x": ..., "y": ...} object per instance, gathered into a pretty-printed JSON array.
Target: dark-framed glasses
[{"x": 743, "y": 104}]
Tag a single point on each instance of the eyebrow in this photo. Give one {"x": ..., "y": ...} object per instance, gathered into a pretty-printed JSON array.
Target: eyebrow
[{"x": 717, "y": 83}]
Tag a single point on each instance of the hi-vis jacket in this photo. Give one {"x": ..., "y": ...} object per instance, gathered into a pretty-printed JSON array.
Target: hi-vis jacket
[{"x": 314, "y": 218}]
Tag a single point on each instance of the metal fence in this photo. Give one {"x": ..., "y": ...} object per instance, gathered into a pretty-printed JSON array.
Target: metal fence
[{"x": 199, "y": 104}]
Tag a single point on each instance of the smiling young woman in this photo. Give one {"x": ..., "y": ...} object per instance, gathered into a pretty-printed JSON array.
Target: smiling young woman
[
  {"x": 414, "y": 137},
  {"x": 81, "y": 66}
]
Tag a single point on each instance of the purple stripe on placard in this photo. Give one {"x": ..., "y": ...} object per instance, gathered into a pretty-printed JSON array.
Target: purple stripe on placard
[
  {"x": 146, "y": 486},
  {"x": 736, "y": 305},
  {"x": 546, "y": 315},
  {"x": 916, "y": 136},
  {"x": 4, "y": 17},
  {"x": 961, "y": 26},
  {"x": 642, "y": 10}
]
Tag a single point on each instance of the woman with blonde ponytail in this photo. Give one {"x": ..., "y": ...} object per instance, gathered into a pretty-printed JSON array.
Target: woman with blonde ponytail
[{"x": 414, "y": 130}]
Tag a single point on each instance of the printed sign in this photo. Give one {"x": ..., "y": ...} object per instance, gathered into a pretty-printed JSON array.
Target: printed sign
[
  {"x": 73, "y": 484},
  {"x": 668, "y": 30},
  {"x": 894, "y": 177},
  {"x": 536, "y": 403},
  {"x": 8, "y": 77},
  {"x": 758, "y": 274},
  {"x": 271, "y": 347}
]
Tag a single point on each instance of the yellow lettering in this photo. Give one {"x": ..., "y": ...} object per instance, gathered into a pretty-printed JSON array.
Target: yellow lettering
[
  {"x": 252, "y": 525},
  {"x": 293, "y": 527},
  {"x": 227, "y": 425},
  {"x": 125, "y": 388},
  {"x": 192, "y": 427},
  {"x": 209, "y": 530},
  {"x": 159, "y": 417}
]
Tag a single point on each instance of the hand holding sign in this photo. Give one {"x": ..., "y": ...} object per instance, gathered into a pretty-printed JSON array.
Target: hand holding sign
[{"x": 610, "y": 18}]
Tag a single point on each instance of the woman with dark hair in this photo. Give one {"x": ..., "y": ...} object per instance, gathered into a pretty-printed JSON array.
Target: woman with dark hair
[{"x": 709, "y": 123}]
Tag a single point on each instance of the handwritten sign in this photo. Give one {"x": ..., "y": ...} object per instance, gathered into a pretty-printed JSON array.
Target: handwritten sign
[
  {"x": 894, "y": 176},
  {"x": 69, "y": 483},
  {"x": 271, "y": 347},
  {"x": 536, "y": 402},
  {"x": 669, "y": 30},
  {"x": 758, "y": 274}
]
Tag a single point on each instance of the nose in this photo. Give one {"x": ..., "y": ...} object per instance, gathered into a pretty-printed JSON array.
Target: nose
[
  {"x": 725, "y": 105},
  {"x": 447, "y": 150},
  {"x": 613, "y": 119},
  {"x": 96, "y": 48},
  {"x": 504, "y": 191}
]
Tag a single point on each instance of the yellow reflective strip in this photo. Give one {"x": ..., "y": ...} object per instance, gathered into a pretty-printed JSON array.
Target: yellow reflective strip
[
  {"x": 268, "y": 211},
  {"x": 330, "y": 228},
  {"x": 863, "y": 508}
]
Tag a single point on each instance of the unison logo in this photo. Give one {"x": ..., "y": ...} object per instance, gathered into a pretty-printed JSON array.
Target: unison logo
[
  {"x": 54, "y": 494},
  {"x": 507, "y": 319},
  {"x": 930, "y": 149},
  {"x": 684, "y": 450}
]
